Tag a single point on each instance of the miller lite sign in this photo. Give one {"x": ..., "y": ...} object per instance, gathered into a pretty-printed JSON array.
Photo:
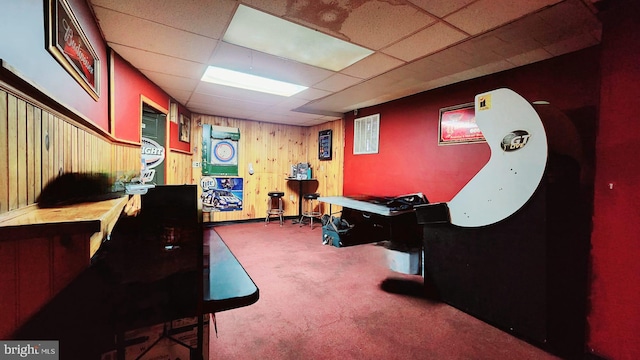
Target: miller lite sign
[{"x": 152, "y": 155}]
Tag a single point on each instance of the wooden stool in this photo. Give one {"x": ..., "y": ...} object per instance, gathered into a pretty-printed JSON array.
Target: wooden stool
[
  {"x": 309, "y": 210},
  {"x": 274, "y": 206}
]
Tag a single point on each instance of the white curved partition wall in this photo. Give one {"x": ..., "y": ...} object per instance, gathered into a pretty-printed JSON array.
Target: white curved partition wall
[{"x": 518, "y": 143}]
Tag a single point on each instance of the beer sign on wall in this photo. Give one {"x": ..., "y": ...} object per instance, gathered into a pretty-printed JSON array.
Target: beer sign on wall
[
  {"x": 69, "y": 45},
  {"x": 221, "y": 193},
  {"x": 153, "y": 154},
  {"x": 457, "y": 125}
]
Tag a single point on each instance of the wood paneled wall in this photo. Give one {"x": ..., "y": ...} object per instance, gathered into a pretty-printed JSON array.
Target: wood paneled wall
[
  {"x": 37, "y": 144},
  {"x": 271, "y": 149},
  {"x": 178, "y": 168}
]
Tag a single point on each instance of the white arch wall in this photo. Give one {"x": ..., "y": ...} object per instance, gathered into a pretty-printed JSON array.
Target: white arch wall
[{"x": 511, "y": 175}]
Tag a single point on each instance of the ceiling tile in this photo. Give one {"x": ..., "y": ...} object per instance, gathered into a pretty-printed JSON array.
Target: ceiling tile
[
  {"x": 337, "y": 82},
  {"x": 274, "y": 7},
  {"x": 426, "y": 41},
  {"x": 144, "y": 60},
  {"x": 569, "y": 15},
  {"x": 421, "y": 70},
  {"x": 376, "y": 24},
  {"x": 311, "y": 94},
  {"x": 524, "y": 28},
  {"x": 354, "y": 96},
  {"x": 571, "y": 44},
  {"x": 155, "y": 37},
  {"x": 450, "y": 61},
  {"x": 224, "y": 111},
  {"x": 221, "y": 103},
  {"x": 171, "y": 81},
  {"x": 204, "y": 17},
  {"x": 372, "y": 65},
  {"x": 514, "y": 48},
  {"x": 529, "y": 57},
  {"x": 481, "y": 43},
  {"x": 279, "y": 118},
  {"x": 480, "y": 50},
  {"x": 287, "y": 104},
  {"x": 462, "y": 75},
  {"x": 443, "y": 81},
  {"x": 441, "y": 8},
  {"x": 181, "y": 96},
  {"x": 494, "y": 67},
  {"x": 567, "y": 20},
  {"x": 485, "y": 15}
]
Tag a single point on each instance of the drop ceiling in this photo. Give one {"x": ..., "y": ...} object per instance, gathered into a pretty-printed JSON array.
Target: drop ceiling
[{"x": 417, "y": 45}]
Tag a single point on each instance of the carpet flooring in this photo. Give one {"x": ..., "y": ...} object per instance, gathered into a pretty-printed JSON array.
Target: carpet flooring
[{"x": 322, "y": 302}]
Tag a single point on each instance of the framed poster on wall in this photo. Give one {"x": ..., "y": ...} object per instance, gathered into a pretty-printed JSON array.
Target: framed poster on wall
[
  {"x": 457, "y": 125},
  {"x": 221, "y": 193},
  {"x": 366, "y": 135},
  {"x": 185, "y": 129},
  {"x": 324, "y": 144},
  {"x": 69, "y": 45}
]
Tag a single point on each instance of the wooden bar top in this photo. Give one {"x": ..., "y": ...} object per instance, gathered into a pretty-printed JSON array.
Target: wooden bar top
[{"x": 95, "y": 218}]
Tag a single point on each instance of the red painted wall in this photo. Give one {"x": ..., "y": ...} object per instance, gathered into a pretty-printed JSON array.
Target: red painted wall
[
  {"x": 615, "y": 294},
  {"x": 129, "y": 86},
  {"x": 409, "y": 158}
]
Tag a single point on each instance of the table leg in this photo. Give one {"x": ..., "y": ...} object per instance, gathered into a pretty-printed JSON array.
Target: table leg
[
  {"x": 300, "y": 199},
  {"x": 297, "y": 220}
]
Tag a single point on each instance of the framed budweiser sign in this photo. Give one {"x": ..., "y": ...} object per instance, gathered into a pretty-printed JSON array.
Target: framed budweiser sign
[
  {"x": 69, "y": 45},
  {"x": 457, "y": 125}
]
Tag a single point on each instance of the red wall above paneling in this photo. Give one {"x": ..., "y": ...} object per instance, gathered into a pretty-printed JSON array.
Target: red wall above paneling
[{"x": 129, "y": 86}]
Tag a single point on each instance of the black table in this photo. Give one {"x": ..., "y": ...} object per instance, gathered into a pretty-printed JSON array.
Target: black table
[
  {"x": 300, "y": 194},
  {"x": 226, "y": 284},
  {"x": 373, "y": 222}
]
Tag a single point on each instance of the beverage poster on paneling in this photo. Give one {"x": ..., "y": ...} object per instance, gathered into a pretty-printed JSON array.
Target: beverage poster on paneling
[{"x": 221, "y": 193}]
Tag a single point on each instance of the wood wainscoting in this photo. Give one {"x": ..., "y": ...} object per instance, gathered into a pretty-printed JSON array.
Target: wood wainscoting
[{"x": 37, "y": 144}]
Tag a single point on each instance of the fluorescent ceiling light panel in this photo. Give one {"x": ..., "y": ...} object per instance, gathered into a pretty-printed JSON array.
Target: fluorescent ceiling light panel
[
  {"x": 256, "y": 30},
  {"x": 241, "y": 80}
]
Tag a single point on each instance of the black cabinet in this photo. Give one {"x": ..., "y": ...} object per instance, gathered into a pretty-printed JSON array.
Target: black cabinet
[{"x": 527, "y": 274}]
